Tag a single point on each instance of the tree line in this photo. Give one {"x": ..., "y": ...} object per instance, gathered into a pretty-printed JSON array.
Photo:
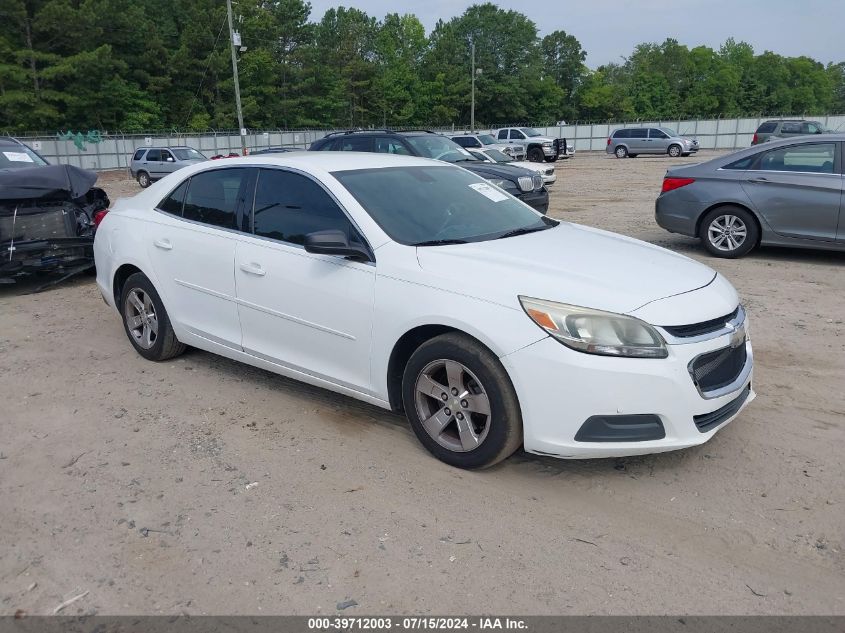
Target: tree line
[{"x": 137, "y": 65}]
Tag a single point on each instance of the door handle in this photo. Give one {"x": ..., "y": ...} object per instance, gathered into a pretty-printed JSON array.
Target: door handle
[
  {"x": 759, "y": 179},
  {"x": 253, "y": 269},
  {"x": 164, "y": 245}
]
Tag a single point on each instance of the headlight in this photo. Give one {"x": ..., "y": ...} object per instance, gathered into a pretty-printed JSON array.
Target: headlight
[
  {"x": 594, "y": 331},
  {"x": 547, "y": 144},
  {"x": 507, "y": 151}
]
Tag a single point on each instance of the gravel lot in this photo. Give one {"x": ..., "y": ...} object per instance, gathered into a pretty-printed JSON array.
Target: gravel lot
[{"x": 204, "y": 486}]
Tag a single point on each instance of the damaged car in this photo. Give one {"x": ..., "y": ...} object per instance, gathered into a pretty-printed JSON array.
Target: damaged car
[{"x": 48, "y": 217}]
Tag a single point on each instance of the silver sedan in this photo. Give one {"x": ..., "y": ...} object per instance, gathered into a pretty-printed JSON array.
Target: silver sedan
[{"x": 784, "y": 193}]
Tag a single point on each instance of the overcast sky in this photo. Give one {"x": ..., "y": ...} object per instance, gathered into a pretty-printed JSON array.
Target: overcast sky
[{"x": 609, "y": 29}]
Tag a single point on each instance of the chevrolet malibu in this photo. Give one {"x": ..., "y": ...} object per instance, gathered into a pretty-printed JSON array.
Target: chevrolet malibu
[{"x": 419, "y": 287}]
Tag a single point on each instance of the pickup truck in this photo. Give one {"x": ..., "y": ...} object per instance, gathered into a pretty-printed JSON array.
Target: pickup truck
[{"x": 537, "y": 146}]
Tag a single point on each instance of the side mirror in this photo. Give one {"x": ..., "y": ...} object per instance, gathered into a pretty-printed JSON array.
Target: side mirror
[
  {"x": 334, "y": 242},
  {"x": 169, "y": 159}
]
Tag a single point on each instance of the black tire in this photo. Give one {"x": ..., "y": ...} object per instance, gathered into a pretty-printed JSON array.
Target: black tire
[
  {"x": 504, "y": 423},
  {"x": 632, "y": 155},
  {"x": 550, "y": 159},
  {"x": 165, "y": 345},
  {"x": 675, "y": 151},
  {"x": 721, "y": 217},
  {"x": 144, "y": 179},
  {"x": 621, "y": 151},
  {"x": 536, "y": 155}
]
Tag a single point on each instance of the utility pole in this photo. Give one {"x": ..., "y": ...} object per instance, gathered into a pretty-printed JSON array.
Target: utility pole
[
  {"x": 235, "y": 73},
  {"x": 472, "y": 109}
]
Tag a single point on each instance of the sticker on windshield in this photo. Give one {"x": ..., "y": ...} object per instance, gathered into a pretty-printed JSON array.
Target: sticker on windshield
[
  {"x": 488, "y": 191},
  {"x": 18, "y": 157}
]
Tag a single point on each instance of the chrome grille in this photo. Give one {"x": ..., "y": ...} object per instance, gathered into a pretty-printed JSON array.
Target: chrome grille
[{"x": 538, "y": 182}]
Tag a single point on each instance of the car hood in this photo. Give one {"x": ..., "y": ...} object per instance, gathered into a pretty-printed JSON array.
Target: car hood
[
  {"x": 496, "y": 170},
  {"x": 568, "y": 263}
]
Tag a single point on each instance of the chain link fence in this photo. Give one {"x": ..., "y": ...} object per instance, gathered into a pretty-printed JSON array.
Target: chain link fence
[{"x": 108, "y": 151}]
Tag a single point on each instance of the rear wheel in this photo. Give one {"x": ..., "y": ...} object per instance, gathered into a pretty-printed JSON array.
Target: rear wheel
[
  {"x": 535, "y": 155},
  {"x": 729, "y": 232},
  {"x": 145, "y": 320},
  {"x": 144, "y": 179},
  {"x": 674, "y": 151},
  {"x": 621, "y": 152},
  {"x": 461, "y": 403}
]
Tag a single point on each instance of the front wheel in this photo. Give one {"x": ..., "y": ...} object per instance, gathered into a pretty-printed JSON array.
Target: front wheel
[
  {"x": 729, "y": 232},
  {"x": 674, "y": 151},
  {"x": 145, "y": 320},
  {"x": 536, "y": 155},
  {"x": 621, "y": 151},
  {"x": 461, "y": 403}
]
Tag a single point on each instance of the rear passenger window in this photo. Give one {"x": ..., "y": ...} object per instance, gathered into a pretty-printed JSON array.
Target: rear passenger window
[
  {"x": 173, "y": 202},
  {"x": 815, "y": 158},
  {"x": 791, "y": 128},
  {"x": 138, "y": 154},
  {"x": 638, "y": 132},
  {"x": 742, "y": 163},
  {"x": 289, "y": 206},
  {"x": 213, "y": 197},
  {"x": 353, "y": 144},
  {"x": 154, "y": 155},
  {"x": 503, "y": 134}
]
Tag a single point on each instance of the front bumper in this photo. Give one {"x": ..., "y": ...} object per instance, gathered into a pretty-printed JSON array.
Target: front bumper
[
  {"x": 559, "y": 389},
  {"x": 538, "y": 199}
]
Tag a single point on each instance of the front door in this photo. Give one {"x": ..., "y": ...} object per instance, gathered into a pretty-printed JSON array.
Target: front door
[
  {"x": 798, "y": 190},
  {"x": 311, "y": 313},
  {"x": 192, "y": 248},
  {"x": 658, "y": 141}
]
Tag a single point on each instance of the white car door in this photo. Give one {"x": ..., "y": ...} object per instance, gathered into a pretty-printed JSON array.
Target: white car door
[
  {"x": 308, "y": 312},
  {"x": 192, "y": 249}
]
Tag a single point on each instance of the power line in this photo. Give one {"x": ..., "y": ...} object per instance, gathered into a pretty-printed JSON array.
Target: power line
[{"x": 207, "y": 66}]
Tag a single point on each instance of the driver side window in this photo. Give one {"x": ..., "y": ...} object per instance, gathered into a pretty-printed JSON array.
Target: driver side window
[{"x": 289, "y": 206}]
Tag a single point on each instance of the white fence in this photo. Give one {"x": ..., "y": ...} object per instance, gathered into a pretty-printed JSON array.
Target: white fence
[{"x": 114, "y": 151}]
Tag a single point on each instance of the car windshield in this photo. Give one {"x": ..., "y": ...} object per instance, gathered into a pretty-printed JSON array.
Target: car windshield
[
  {"x": 188, "y": 153},
  {"x": 434, "y": 205},
  {"x": 439, "y": 148},
  {"x": 19, "y": 156},
  {"x": 668, "y": 131},
  {"x": 530, "y": 131},
  {"x": 487, "y": 139},
  {"x": 498, "y": 156}
]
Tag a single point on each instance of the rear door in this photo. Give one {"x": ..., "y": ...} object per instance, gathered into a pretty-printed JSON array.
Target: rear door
[
  {"x": 192, "y": 249},
  {"x": 638, "y": 142},
  {"x": 152, "y": 163},
  {"x": 798, "y": 189}
]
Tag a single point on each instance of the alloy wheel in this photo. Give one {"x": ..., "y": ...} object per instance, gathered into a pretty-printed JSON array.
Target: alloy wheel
[
  {"x": 141, "y": 318},
  {"x": 453, "y": 405},
  {"x": 674, "y": 151},
  {"x": 727, "y": 233}
]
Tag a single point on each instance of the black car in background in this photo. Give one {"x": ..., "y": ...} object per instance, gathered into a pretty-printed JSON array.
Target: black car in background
[{"x": 523, "y": 184}]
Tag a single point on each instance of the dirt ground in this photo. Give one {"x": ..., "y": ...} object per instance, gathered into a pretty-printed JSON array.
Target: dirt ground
[{"x": 204, "y": 486}]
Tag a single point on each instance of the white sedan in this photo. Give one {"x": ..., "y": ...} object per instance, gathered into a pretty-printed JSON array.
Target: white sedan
[
  {"x": 420, "y": 287},
  {"x": 546, "y": 170}
]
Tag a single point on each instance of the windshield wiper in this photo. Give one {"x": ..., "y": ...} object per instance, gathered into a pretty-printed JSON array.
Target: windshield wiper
[
  {"x": 525, "y": 230},
  {"x": 439, "y": 242}
]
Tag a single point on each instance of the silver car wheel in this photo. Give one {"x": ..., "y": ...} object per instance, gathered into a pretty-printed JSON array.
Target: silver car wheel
[
  {"x": 143, "y": 180},
  {"x": 452, "y": 405},
  {"x": 141, "y": 319},
  {"x": 621, "y": 152},
  {"x": 674, "y": 151},
  {"x": 727, "y": 233}
]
